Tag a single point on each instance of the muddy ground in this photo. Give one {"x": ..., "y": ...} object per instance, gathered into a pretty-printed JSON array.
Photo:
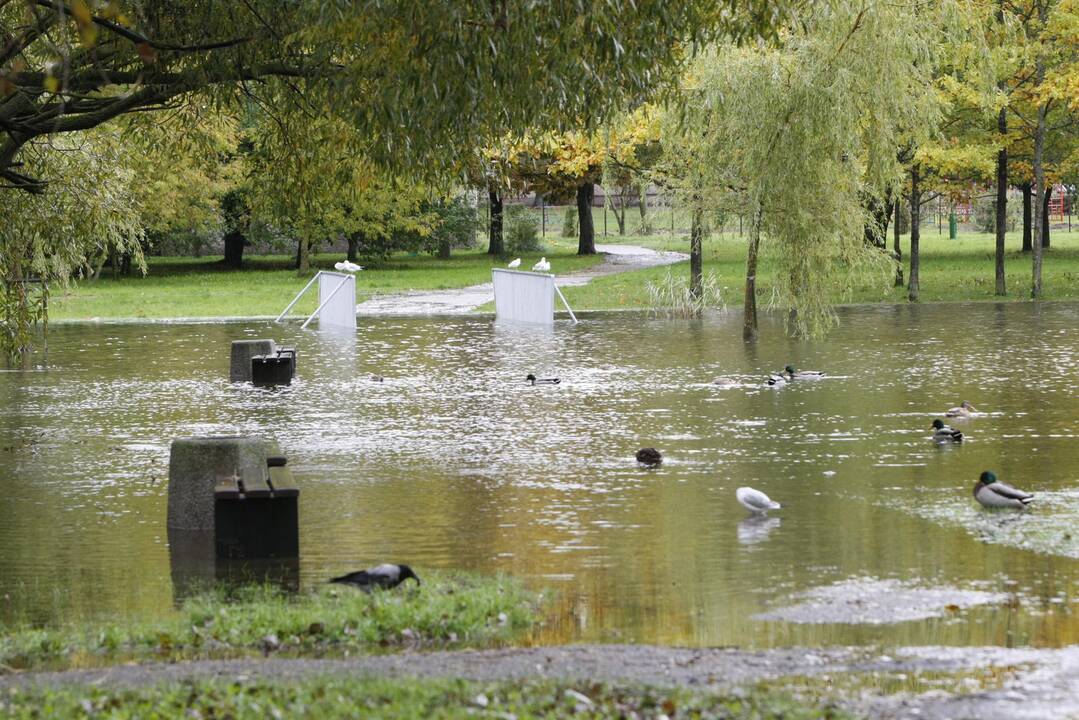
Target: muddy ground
[{"x": 984, "y": 683}]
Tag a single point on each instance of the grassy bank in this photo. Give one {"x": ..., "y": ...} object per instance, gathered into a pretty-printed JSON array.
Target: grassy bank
[
  {"x": 951, "y": 270},
  {"x": 340, "y": 698},
  {"x": 202, "y": 287},
  {"x": 447, "y": 611}
]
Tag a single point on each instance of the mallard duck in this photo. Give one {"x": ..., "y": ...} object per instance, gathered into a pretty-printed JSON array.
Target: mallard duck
[
  {"x": 384, "y": 576},
  {"x": 944, "y": 434},
  {"x": 803, "y": 374},
  {"x": 755, "y": 500},
  {"x": 776, "y": 380},
  {"x": 992, "y": 493},
  {"x": 649, "y": 456},
  {"x": 514, "y": 264},
  {"x": 541, "y": 381},
  {"x": 965, "y": 409}
]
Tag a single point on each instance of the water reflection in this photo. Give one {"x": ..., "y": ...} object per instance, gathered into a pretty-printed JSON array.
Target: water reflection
[
  {"x": 756, "y": 529},
  {"x": 454, "y": 461}
]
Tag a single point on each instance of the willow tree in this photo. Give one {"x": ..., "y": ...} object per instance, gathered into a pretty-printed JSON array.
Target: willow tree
[
  {"x": 803, "y": 132},
  {"x": 93, "y": 208}
]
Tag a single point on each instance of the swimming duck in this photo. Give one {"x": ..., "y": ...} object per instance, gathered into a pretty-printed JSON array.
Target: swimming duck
[
  {"x": 532, "y": 379},
  {"x": 965, "y": 409},
  {"x": 649, "y": 456},
  {"x": 754, "y": 500},
  {"x": 514, "y": 264},
  {"x": 992, "y": 493},
  {"x": 776, "y": 380},
  {"x": 803, "y": 374},
  {"x": 385, "y": 576},
  {"x": 944, "y": 434}
]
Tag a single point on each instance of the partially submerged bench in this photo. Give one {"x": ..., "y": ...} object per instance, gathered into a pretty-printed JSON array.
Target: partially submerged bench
[
  {"x": 276, "y": 368},
  {"x": 256, "y": 512},
  {"x": 274, "y": 365}
]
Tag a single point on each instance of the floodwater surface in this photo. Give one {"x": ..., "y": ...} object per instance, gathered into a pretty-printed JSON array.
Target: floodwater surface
[{"x": 454, "y": 461}]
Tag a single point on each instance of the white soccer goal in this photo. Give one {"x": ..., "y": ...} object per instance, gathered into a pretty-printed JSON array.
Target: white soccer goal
[
  {"x": 336, "y": 300},
  {"x": 526, "y": 296}
]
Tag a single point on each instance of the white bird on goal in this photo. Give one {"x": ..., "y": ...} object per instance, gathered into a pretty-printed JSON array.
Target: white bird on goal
[{"x": 347, "y": 266}]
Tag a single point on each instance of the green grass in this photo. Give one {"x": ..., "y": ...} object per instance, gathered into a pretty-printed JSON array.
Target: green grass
[
  {"x": 201, "y": 287},
  {"x": 447, "y": 611},
  {"x": 951, "y": 270},
  {"x": 408, "y": 698}
]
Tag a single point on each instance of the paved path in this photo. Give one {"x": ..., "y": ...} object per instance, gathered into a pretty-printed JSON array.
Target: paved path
[
  {"x": 618, "y": 259},
  {"x": 1038, "y": 683}
]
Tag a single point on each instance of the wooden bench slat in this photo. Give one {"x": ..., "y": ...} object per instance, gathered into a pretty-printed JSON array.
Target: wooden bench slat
[{"x": 283, "y": 485}]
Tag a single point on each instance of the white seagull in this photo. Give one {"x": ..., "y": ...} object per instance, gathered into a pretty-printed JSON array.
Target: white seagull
[
  {"x": 515, "y": 264},
  {"x": 754, "y": 500},
  {"x": 542, "y": 266},
  {"x": 347, "y": 266}
]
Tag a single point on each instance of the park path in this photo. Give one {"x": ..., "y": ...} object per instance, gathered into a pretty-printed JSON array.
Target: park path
[
  {"x": 617, "y": 259},
  {"x": 1033, "y": 683}
]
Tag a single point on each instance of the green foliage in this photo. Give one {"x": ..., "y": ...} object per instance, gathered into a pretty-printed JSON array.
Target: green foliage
[
  {"x": 331, "y": 698},
  {"x": 569, "y": 222},
  {"x": 521, "y": 230},
  {"x": 673, "y": 297},
  {"x": 92, "y": 209},
  {"x": 793, "y": 136},
  {"x": 448, "y": 610}
]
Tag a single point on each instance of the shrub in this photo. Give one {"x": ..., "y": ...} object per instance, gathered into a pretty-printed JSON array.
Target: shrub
[
  {"x": 671, "y": 297},
  {"x": 569, "y": 222},
  {"x": 520, "y": 230}
]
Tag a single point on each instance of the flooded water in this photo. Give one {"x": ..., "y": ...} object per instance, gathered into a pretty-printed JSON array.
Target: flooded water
[{"x": 455, "y": 462}]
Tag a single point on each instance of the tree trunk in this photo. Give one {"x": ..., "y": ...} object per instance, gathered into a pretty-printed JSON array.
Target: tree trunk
[
  {"x": 495, "y": 245},
  {"x": 642, "y": 206},
  {"x": 696, "y": 260},
  {"x": 915, "y": 231},
  {"x": 1028, "y": 223},
  {"x": 444, "y": 249},
  {"x": 1045, "y": 215},
  {"x": 353, "y": 247},
  {"x": 303, "y": 256},
  {"x": 586, "y": 244},
  {"x": 749, "y": 305},
  {"x": 234, "y": 249},
  {"x": 897, "y": 250},
  {"x": 1039, "y": 179},
  {"x": 1002, "y": 202}
]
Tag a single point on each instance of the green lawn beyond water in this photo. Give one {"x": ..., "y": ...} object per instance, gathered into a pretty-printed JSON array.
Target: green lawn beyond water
[
  {"x": 200, "y": 287},
  {"x": 951, "y": 270}
]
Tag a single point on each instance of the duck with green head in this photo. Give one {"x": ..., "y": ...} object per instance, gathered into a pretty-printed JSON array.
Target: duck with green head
[
  {"x": 802, "y": 374},
  {"x": 993, "y": 493},
  {"x": 944, "y": 434}
]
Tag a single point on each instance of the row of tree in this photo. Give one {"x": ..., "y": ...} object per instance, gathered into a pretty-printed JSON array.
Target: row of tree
[{"x": 121, "y": 119}]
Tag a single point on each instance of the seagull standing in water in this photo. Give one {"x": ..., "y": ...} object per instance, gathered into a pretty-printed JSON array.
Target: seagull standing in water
[
  {"x": 385, "y": 576},
  {"x": 755, "y": 501}
]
